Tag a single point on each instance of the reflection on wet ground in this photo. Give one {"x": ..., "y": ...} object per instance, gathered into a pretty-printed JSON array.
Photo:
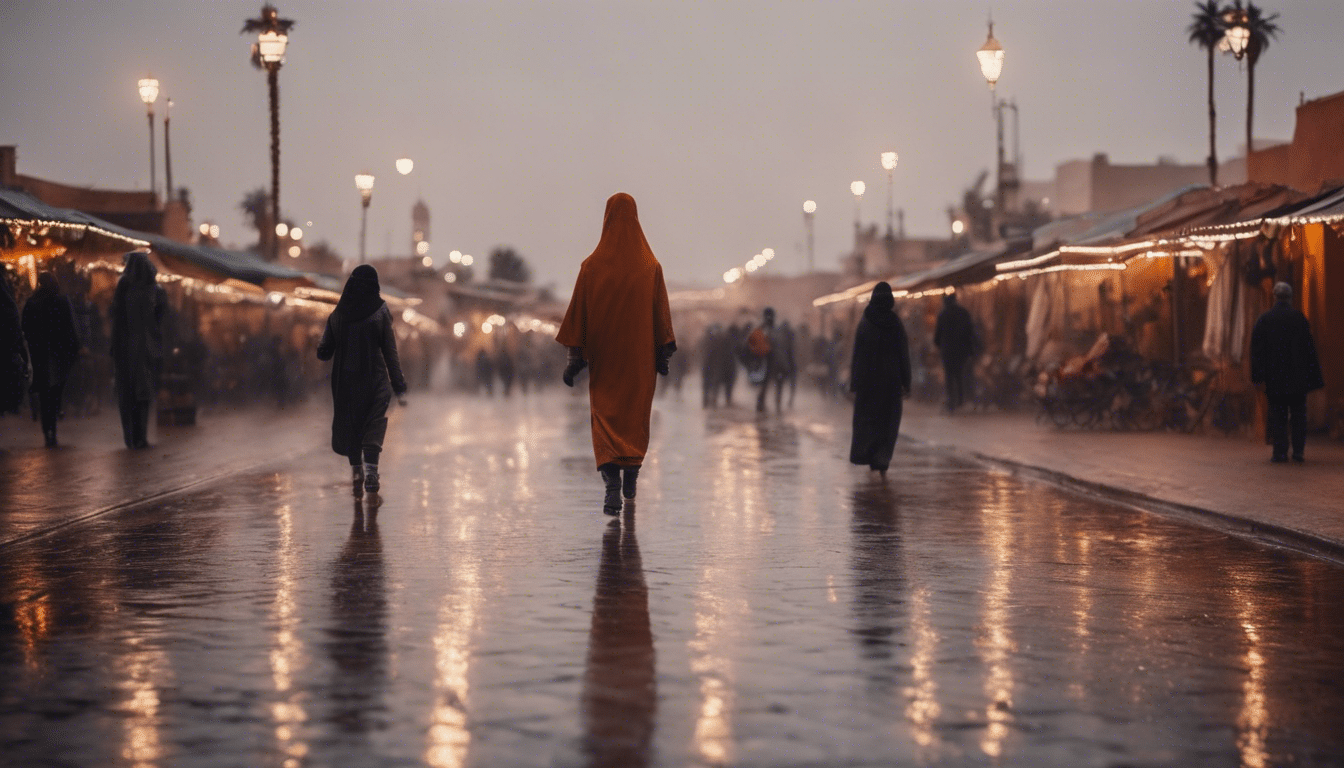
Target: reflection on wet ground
[{"x": 778, "y": 607}]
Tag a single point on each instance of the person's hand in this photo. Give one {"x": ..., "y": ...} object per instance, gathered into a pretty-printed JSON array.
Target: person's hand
[{"x": 572, "y": 370}]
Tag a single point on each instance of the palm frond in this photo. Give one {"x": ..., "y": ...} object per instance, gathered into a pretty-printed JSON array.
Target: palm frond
[{"x": 1206, "y": 27}]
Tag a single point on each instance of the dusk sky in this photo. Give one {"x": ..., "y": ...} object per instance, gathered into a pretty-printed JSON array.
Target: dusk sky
[{"x": 720, "y": 118}]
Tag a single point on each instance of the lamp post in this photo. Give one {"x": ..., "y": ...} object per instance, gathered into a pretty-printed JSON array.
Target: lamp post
[
  {"x": 889, "y": 163},
  {"x": 990, "y": 56},
  {"x": 364, "y": 183},
  {"x": 857, "y": 188},
  {"x": 809, "y": 211},
  {"x": 268, "y": 53},
  {"x": 167, "y": 152},
  {"x": 149, "y": 93}
]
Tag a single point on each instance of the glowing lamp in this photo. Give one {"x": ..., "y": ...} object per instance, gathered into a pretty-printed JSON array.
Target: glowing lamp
[
  {"x": 467, "y": 260},
  {"x": 281, "y": 229},
  {"x": 422, "y": 248},
  {"x": 294, "y": 251},
  {"x": 427, "y": 261},
  {"x": 296, "y": 233},
  {"x": 991, "y": 58},
  {"x": 271, "y": 47},
  {"x": 364, "y": 183},
  {"x": 455, "y": 256},
  {"x": 857, "y": 188},
  {"x": 889, "y": 160},
  {"x": 149, "y": 91},
  {"x": 405, "y": 165},
  {"x": 809, "y": 206}
]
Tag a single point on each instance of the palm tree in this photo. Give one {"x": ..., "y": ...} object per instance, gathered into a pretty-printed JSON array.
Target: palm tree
[
  {"x": 1262, "y": 29},
  {"x": 1206, "y": 31}
]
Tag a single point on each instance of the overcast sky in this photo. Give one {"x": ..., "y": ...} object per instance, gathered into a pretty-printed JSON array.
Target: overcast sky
[{"x": 719, "y": 117}]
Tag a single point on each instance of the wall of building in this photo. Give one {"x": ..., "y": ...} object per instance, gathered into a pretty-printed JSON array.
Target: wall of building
[
  {"x": 1314, "y": 158},
  {"x": 1082, "y": 186}
]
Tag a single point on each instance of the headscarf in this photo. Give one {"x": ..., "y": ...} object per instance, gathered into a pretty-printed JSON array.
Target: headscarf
[
  {"x": 139, "y": 270},
  {"x": 622, "y": 236},
  {"x": 360, "y": 298}
]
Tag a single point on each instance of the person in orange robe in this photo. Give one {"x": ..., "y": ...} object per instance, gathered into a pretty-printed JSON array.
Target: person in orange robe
[{"x": 620, "y": 326}]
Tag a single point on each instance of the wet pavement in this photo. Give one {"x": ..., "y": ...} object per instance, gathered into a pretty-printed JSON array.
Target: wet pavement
[{"x": 764, "y": 604}]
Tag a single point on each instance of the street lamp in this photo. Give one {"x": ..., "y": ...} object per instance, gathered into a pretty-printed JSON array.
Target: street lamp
[
  {"x": 991, "y": 58},
  {"x": 268, "y": 53},
  {"x": 364, "y": 183},
  {"x": 167, "y": 152},
  {"x": 809, "y": 211},
  {"x": 405, "y": 165},
  {"x": 149, "y": 93},
  {"x": 857, "y": 187},
  {"x": 1238, "y": 35},
  {"x": 889, "y": 163}
]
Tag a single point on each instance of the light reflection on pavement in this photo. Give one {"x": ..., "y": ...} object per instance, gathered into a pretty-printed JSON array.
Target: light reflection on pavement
[{"x": 772, "y": 606}]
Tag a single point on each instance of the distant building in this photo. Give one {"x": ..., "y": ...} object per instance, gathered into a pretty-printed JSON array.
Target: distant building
[
  {"x": 137, "y": 210},
  {"x": 1314, "y": 158},
  {"x": 883, "y": 255},
  {"x": 1083, "y": 186}
]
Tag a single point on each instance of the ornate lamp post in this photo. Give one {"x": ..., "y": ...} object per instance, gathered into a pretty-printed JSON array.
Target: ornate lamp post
[
  {"x": 1238, "y": 36},
  {"x": 809, "y": 211},
  {"x": 856, "y": 188},
  {"x": 268, "y": 53},
  {"x": 364, "y": 183},
  {"x": 167, "y": 152},
  {"x": 990, "y": 56},
  {"x": 149, "y": 93},
  {"x": 889, "y": 164}
]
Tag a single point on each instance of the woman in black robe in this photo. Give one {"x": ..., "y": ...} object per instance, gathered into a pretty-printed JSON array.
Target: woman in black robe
[
  {"x": 137, "y": 345},
  {"x": 359, "y": 337},
  {"x": 49, "y": 326},
  {"x": 879, "y": 379}
]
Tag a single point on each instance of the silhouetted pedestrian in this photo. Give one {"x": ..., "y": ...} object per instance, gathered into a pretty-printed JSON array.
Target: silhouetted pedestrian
[
  {"x": 954, "y": 336},
  {"x": 13, "y": 352},
  {"x": 485, "y": 372},
  {"x": 138, "y": 306},
  {"x": 1283, "y": 360},
  {"x": 880, "y": 380},
  {"x": 53, "y": 347},
  {"x": 359, "y": 340},
  {"x": 620, "y": 324}
]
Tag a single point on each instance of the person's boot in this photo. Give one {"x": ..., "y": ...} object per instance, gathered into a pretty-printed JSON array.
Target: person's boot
[
  {"x": 628, "y": 480},
  {"x": 357, "y": 478},
  {"x": 611, "y": 475},
  {"x": 371, "y": 478}
]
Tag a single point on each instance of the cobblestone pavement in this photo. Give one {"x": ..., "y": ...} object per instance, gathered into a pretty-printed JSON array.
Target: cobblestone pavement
[{"x": 765, "y": 604}]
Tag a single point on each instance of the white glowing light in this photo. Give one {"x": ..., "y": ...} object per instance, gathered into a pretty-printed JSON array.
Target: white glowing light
[
  {"x": 451, "y": 277},
  {"x": 405, "y": 165},
  {"x": 422, "y": 248},
  {"x": 271, "y": 47},
  {"x": 214, "y": 231},
  {"x": 455, "y": 256},
  {"x": 768, "y": 253},
  {"x": 467, "y": 260},
  {"x": 294, "y": 251},
  {"x": 487, "y": 328},
  {"x": 495, "y": 319},
  {"x": 459, "y": 329},
  {"x": 364, "y": 183},
  {"x": 205, "y": 229},
  {"x": 149, "y": 90},
  {"x": 857, "y": 188},
  {"x": 296, "y": 233},
  {"x": 281, "y": 229},
  {"x": 809, "y": 206},
  {"x": 991, "y": 58},
  {"x": 408, "y": 315},
  {"x": 889, "y": 160},
  {"x": 427, "y": 261},
  {"x": 958, "y": 227}
]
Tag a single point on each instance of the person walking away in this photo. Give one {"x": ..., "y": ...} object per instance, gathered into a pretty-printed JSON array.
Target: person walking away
[
  {"x": 880, "y": 379},
  {"x": 762, "y": 344},
  {"x": 138, "y": 306},
  {"x": 365, "y": 373},
  {"x": 53, "y": 347},
  {"x": 1284, "y": 363},
  {"x": 13, "y": 352},
  {"x": 954, "y": 335},
  {"x": 619, "y": 325},
  {"x": 787, "y": 361}
]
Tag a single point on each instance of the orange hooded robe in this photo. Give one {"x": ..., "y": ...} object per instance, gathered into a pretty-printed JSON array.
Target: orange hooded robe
[{"x": 619, "y": 316}]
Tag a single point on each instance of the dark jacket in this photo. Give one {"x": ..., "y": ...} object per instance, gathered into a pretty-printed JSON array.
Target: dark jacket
[
  {"x": 1283, "y": 355},
  {"x": 13, "y": 352},
  {"x": 879, "y": 378},
  {"x": 954, "y": 334},
  {"x": 138, "y": 306},
  {"x": 53, "y": 344},
  {"x": 364, "y": 355}
]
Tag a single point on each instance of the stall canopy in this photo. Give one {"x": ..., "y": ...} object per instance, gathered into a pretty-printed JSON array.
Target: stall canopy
[{"x": 18, "y": 207}]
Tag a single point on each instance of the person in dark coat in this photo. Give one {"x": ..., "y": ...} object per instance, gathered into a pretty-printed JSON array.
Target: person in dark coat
[
  {"x": 880, "y": 379},
  {"x": 138, "y": 306},
  {"x": 53, "y": 347},
  {"x": 1284, "y": 362},
  {"x": 13, "y": 352},
  {"x": 954, "y": 335},
  {"x": 359, "y": 340}
]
